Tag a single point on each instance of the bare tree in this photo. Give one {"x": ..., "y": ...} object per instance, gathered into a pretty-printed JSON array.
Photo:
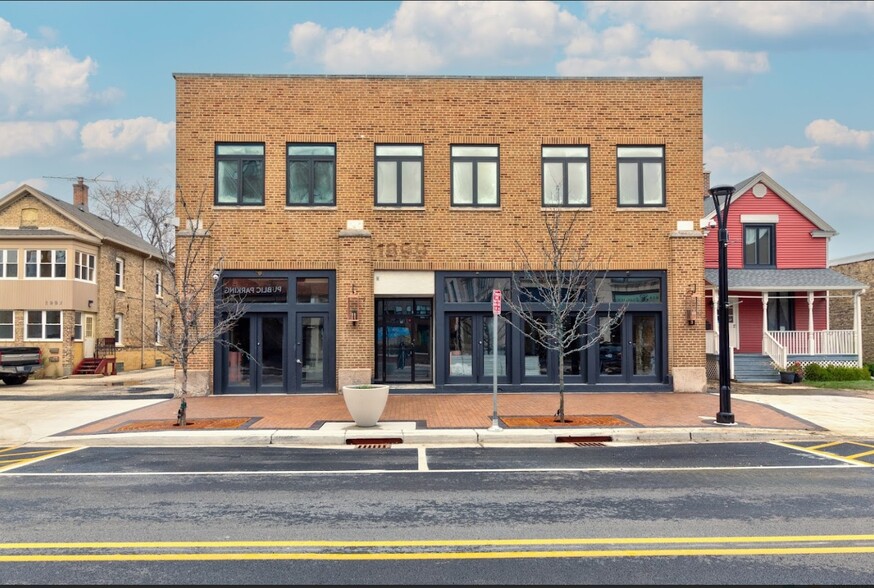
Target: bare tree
[
  {"x": 142, "y": 207},
  {"x": 200, "y": 315},
  {"x": 554, "y": 292}
]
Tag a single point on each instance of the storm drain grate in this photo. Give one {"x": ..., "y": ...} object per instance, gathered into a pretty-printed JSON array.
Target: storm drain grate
[
  {"x": 374, "y": 443},
  {"x": 589, "y": 444}
]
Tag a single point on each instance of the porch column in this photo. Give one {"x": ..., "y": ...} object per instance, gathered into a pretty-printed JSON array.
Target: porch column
[
  {"x": 857, "y": 325},
  {"x": 764, "y": 318},
  {"x": 810, "y": 343}
]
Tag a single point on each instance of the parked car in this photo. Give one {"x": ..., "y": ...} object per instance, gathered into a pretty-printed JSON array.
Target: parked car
[{"x": 18, "y": 363}]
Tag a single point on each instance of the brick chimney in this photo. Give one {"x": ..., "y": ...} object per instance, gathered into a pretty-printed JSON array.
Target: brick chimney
[
  {"x": 80, "y": 194},
  {"x": 706, "y": 183}
]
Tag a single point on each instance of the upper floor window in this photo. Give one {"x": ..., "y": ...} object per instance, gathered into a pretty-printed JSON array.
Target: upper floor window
[
  {"x": 312, "y": 175},
  {"x": 7, "y": 325},
  {"x": 759, "y": 245},
  {"x": 565, "y": 176},
  {"x": 45, "y": 263},
  {"x": 8, "y": 263},
  {"x": 641, "y": 172},
  {"x": 85, "y": 264},
  {"x": 239, "y": 174},
  {"x": 475, "y": 175},
  {"x": 159, "y": 284},
  {"x": 399, "y": 178},
  {"x": 119, "y": 273},
  {"x": 43, "y": 325}
]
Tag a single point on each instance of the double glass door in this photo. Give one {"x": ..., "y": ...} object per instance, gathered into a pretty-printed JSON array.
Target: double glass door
[
  {"x": 403, "y": 340},
  {"x": 629, "y": 350},
  {"x": 471, "y": 347},
  {"x": 257, "y": 358}
]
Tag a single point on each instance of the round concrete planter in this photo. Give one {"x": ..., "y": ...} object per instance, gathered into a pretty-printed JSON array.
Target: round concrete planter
[{"x": 365, "y": 402}]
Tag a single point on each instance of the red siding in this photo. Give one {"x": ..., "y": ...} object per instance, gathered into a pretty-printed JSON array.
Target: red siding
[
  {"x": 796, "y": 248},
  {"x": 750, "y": 326}
]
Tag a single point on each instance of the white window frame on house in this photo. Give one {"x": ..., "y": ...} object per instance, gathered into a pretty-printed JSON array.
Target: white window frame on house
[
  {"x": 77, "y": 326},
  {"x": 85, "y": 267},
  {"x": 8, "y": 263},
  {"x": 45, "y": 264},
  {"x": 398, "y": 175},
  {"x": 159, "y": 284},
  {"x": 119, "y": 273},
  {"x": 119, "y": 329},
  {"x": 158, "y": 331},
  {"x": 640, "y": 176},
  {"x": 565, "y": 175},
  {"x": 7, "y": 325},
  {"x": 45, "y": 327},
  {"x": 475, "y": 168}
]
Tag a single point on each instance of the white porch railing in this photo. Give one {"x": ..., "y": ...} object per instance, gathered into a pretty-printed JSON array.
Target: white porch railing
[
  {"x": 816, "y": 342},
  {"x": 773, "y": 349}
]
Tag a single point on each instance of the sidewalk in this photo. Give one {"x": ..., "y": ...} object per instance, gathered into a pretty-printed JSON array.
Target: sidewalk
[{"x": 137, "y": 408}]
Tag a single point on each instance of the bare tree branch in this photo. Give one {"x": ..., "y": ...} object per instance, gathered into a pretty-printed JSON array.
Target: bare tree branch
[{"x": 143, "y": 208}]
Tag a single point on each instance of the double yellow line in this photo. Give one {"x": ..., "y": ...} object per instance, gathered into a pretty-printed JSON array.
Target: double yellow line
[{"x": 437, "y": 549}]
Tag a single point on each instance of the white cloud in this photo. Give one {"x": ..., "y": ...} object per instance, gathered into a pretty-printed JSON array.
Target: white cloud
[
  {"x": 831, "y": 132},
  {"x": 754, "y": 18},
  {"x": 428, "y": 36},
  {"x": 132, "y": 134},
  {"x": 19, "y": 138},
  {"x": 732, "y": 164},
  {"x": 40, "y": 81},
  {"x": 7, "y": 187}
]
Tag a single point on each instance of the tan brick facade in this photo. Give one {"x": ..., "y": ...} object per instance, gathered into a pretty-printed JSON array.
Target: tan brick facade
[
  {"x": 518, "y": 115},
  {"x": 841, "y": 309}
]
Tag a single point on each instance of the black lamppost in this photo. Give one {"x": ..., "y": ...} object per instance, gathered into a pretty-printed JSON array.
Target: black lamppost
[{"x": 721, "y": 199}]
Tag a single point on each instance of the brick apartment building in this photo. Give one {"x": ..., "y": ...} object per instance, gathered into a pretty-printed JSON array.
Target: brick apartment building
[
  {"x": 368, "y": 219},
  {"x": 842, "y": 311},
  {"x": 86, "y": 291}
]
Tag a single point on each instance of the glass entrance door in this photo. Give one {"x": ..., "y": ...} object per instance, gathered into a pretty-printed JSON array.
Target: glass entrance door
[
  {"x": 310, "y": 364},
  {"x": 255, "y": 356},
  {"x": 630, "y": 350},
  {"x": 470, "y": 348},
  {"x": 403, "y": 340}
]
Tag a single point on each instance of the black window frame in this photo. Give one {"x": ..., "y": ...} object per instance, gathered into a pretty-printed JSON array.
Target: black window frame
[
  {"x": 772, "y": 250},
  {"x": 565, "y": 160},
  {"x": 239, "y": 158},
  {"x": 640, "y": 161},
  {"x": 311, "y": 161},
  {"x": 475, "y": 160},
  {"x": 399, "y": 160}
]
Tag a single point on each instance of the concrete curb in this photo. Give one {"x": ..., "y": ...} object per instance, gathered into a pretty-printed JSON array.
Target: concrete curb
[{"x": 482, "y": 437}]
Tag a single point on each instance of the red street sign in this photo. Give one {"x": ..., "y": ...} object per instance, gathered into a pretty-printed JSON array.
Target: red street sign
[{"x": 496, "y": 302}]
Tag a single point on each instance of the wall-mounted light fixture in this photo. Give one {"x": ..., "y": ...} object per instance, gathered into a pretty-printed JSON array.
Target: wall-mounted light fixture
[
  {"x": 90, "y": 303},
  {"x": 353, "y": 307}
]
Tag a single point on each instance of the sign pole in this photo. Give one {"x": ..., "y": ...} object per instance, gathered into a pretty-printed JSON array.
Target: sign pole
[{"x": 496, "y": 310}]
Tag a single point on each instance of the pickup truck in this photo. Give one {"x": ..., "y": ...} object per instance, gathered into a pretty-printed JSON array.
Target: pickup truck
[{"x": 17, "y": 363}]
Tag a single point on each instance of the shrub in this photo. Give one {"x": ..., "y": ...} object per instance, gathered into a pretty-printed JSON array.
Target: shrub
[{"x": 835, "y": 373}]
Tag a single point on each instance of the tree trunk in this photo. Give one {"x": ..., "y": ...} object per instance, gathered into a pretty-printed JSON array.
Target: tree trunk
[{"x": 560, "y": 413}]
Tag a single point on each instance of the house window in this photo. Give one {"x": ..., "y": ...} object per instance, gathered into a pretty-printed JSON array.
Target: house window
[
  {"x": 119, "y": 273},
  {"x": 565, "y": 176},
  {"x": 43, "y": 325},
  {"x": 159, "y": 284},
  {"x": 157, "y": 331},
  {"x": 311, "y": 175},
  {"x": 399, "y": 178},
  {"x": 77, "y": 326},
  {"x": 239, "y": 174},
  {"x": 7, "y": 325},
  {"x": 8, "y": 263},
  {"x": 781, "y": 311},
  {"x": 119, "y": 329},
  {"x": 475, "y": 175},
  {"x": 759, "y": 246},
  {"x": 641, "y": 172},
  {"x": 45, "y": 263},
  {"x": 85, "y": 264}
]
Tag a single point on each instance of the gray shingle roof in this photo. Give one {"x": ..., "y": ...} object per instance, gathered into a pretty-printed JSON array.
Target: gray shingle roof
[
  {"x": 785, "y": 279},
  {"x": 33, "y": 233}
]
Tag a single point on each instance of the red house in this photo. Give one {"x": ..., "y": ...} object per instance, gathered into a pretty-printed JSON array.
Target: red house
[{"x": 779, "y": 285}]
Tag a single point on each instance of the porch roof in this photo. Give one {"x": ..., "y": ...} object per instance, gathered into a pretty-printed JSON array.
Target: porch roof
[{"x": 769, "y": 280}]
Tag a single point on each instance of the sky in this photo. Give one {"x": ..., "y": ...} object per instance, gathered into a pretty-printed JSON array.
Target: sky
[{"x": 87, "y": 89}]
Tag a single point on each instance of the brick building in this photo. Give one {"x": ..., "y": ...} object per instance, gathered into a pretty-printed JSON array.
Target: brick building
[
  {"x": 842, "y": 312},
  {"x": 77, "y": 285},
  {"x": 367, "y": 220}
]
